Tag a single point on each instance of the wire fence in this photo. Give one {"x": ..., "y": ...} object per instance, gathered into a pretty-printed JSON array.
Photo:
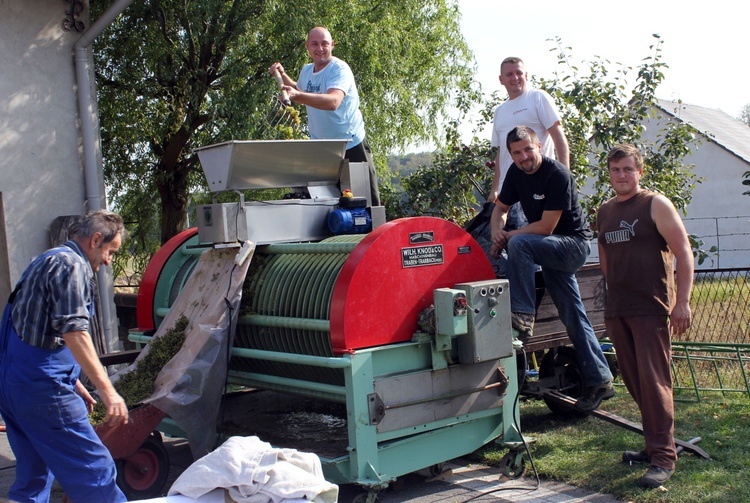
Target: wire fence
[
  {"x": 726, "y": 240},
  {"x": 713, "y": 356}
]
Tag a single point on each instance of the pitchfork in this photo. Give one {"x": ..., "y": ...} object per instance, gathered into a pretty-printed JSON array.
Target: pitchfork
[{"x": 281, "y": 113}]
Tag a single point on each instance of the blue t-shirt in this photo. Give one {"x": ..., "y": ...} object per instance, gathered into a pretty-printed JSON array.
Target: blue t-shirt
[{"x": 346, "y": 121}]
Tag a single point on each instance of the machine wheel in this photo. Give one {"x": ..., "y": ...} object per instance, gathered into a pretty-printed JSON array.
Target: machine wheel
[
  {"x": 511, "y": 467},
  {"x": 368, "y": 497},
  {"x": 563, "y": 364},
  {"x": 436, "y": 470},
  {"x": 143, "y": 474}
]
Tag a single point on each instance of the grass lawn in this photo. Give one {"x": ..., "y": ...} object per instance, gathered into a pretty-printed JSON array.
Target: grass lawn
[{"x": 586, "y": 452}]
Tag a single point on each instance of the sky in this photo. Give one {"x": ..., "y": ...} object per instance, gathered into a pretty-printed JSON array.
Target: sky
[{"x": 705, "y": 44}]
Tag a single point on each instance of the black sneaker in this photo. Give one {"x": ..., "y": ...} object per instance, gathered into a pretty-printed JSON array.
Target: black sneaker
[
  {"x": 635, "y": 457},
  {"x": 656, "y": 477},
  {"x": 593, "y": 396}
]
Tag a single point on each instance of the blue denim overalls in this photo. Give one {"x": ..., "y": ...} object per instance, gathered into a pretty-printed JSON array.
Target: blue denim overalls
[{"x": 48, "y": 426}]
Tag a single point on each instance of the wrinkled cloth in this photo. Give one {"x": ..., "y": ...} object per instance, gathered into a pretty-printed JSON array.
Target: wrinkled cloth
[
  {"x": 252, "y": 471},
  {"x": 215, "y": 496},
  {"x": 189, "y": 387}
]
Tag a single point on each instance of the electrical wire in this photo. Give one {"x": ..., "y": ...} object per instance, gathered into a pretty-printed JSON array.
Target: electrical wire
[
  {"x": 230, "y": 342},
  {"x": 523, "y": 441}
]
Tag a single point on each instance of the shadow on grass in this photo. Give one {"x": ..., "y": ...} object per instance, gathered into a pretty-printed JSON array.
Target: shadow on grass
[{"x": 587, "y": 452}]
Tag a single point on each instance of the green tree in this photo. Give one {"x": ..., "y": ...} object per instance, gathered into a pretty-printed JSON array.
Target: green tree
[
  {"x": 599, "y": 109},
  {"x": 177, "y": 75}
]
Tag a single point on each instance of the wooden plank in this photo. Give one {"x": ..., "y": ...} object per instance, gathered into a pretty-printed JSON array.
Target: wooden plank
[
  {"x": 549, "y": 331},
  {"x": 567, "y": 401}
]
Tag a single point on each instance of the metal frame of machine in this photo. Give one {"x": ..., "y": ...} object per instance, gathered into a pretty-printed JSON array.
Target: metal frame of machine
[{"x": 406, "y": 326}]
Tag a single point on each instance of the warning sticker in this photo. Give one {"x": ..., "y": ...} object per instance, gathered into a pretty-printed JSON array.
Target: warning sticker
[{"x": 417, "y": 256}]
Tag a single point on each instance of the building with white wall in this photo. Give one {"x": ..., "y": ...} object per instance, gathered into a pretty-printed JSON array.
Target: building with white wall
[
  {"x": 43, "y": 139},
  {"x": 719, "y": 213}
]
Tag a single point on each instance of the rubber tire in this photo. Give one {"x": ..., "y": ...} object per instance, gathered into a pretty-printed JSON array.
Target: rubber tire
[
  {"x": 143, "y": 475},
  {"x": 363, "y": 497},
  {"x": 564, "y": 357},
  {"x": 436, "y": 469},
  {"x": 510, "y": 468}
]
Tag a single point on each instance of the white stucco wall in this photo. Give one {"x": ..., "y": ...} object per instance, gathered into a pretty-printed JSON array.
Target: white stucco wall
[
  {"x": 718, "y": 214},
  {"x": 41, "y": 173}
]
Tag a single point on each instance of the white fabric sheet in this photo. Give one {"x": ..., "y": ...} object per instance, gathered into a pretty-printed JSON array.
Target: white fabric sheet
[{"x": 252, "y": 471}]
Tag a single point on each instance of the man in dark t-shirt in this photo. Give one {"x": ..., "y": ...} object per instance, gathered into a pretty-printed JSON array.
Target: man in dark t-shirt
[{"x": 557, "y": 239}]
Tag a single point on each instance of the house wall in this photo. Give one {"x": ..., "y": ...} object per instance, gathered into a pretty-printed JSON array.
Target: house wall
[
  {"x": 40, "y": 162},
  {"x": 718, "y": 214}
]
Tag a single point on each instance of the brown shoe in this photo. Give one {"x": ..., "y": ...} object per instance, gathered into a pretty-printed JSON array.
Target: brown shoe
[
  {"x": 656, "y": 476},
  {"x": 523, "y": 323},
  {"x": 593, "y": 396}
]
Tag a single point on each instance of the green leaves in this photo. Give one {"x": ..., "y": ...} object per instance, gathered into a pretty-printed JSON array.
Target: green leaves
[
  {"x": 175, "y": 75},
  {"x": 600, "y": 108}
]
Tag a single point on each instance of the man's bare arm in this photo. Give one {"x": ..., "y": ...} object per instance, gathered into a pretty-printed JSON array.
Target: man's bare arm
[
  {"x": 83, "y": 351},
  {"x": 560, "y": 141},
  {"x": 670, "y": 226}
]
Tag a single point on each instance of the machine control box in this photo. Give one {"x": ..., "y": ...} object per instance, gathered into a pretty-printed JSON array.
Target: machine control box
[
  {"x": 450, "y": 312},
  {"x": 489, "y": 334},
  {"x": 222, "y": 223}
]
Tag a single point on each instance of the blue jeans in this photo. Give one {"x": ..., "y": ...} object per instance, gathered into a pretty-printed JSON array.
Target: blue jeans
[
  {"x": 515, "y": 220},
  {"x": 560, "y": 258}
]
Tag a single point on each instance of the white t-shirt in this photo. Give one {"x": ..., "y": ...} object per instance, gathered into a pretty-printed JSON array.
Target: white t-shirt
[
  {"x": 535, "y": 109},
  {"x": 346, "y": 121}
]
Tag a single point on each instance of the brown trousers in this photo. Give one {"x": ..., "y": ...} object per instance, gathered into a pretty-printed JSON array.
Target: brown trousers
[{"x": 644, "y": 354}]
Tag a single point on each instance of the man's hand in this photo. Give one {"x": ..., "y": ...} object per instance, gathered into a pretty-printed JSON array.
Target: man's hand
[
  {"x": 680, "y": 319},
  {"x": 87, "y": 398},
  {"x": 292, "y": 92},
  {"x": 84, "y": 353},
  {"x": 276, "y": 67},
  {"x": 117, "y": 411},
  {"x": 500, "y": 239}
]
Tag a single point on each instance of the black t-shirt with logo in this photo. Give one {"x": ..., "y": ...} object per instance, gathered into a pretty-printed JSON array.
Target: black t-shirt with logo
[{"x": 552, "y": 188}]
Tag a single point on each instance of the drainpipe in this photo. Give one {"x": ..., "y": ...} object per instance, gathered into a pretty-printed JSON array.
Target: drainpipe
[{"x": 89, "y": 139}]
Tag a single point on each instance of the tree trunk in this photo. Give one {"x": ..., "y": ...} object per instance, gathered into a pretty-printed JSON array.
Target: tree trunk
[{"x": 174, "y": 196}]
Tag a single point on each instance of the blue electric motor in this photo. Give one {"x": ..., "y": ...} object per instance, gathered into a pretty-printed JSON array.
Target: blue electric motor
[{"x": 350, "y": 221}]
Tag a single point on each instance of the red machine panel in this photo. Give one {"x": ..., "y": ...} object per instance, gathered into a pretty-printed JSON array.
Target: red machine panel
[
  {"x": 150, "y": 280},
  {"x": 390, "y": 276}
]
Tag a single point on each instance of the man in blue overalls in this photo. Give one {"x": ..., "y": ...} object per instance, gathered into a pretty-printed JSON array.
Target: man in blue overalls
[{"x": 44, "y": 346}]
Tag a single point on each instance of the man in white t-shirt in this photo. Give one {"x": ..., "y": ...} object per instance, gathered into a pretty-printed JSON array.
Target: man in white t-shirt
[
  {"x": 525, "y": 107},
  {"x": 328, "y": 90}
]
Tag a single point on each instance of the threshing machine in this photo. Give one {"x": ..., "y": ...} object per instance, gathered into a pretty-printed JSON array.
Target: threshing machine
[{"x": 402, "y": 324}]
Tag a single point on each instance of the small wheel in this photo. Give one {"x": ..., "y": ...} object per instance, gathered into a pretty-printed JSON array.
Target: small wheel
[
  {"x": 436, "y": 470},
  {"x": 563, "y": 364},
  {"x": 368, "y": 497},
  {"x": 143, "y": 474},
  {"x": 511, "y": 467}
]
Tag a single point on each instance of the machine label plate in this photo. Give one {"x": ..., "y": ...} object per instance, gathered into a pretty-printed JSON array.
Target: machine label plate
[
  {"x": 418, "y": 256},
  {"x": 421, "y": 237}
]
